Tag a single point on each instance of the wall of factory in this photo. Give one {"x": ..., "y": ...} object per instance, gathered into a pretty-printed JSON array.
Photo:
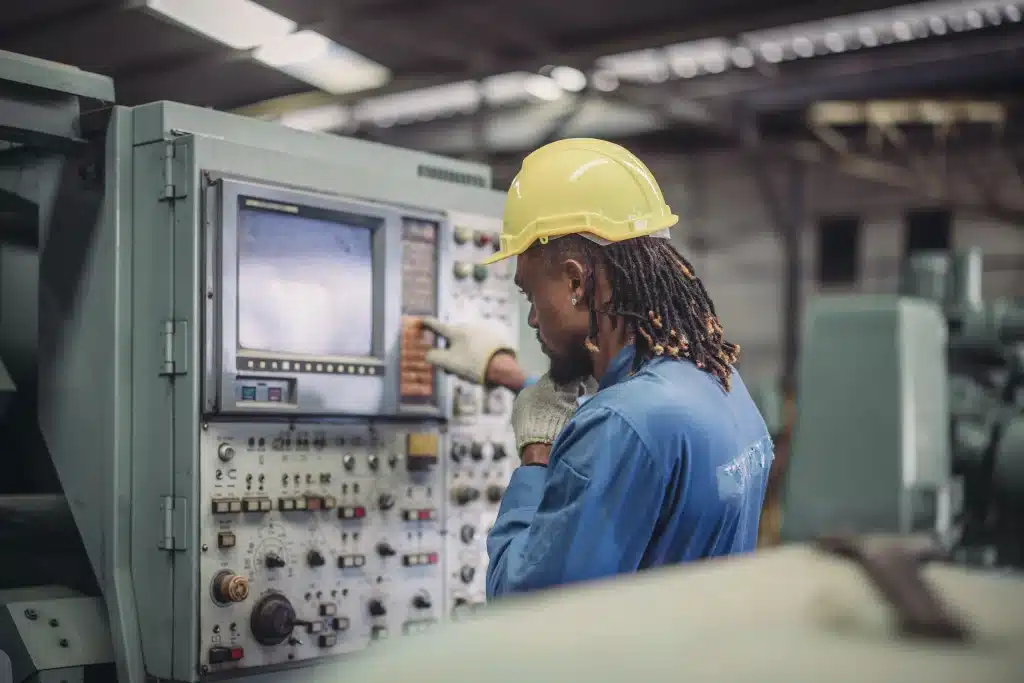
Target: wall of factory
[{"x": 727, "y": 233}]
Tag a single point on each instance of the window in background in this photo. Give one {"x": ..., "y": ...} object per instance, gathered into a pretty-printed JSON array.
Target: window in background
[
  {"x": 838, "y": 250},
  {"x": 927, "y": 230}
]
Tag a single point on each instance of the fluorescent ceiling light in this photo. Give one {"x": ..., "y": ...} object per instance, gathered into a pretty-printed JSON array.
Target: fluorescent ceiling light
[
  {"x": 327, "y": 117},
  {"x": 241, "y": 24},
  {"x": 317, "y": 60}
]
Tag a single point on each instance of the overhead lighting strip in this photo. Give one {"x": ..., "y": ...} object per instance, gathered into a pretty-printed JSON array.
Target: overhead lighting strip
[{"x": 275, "y": 41}]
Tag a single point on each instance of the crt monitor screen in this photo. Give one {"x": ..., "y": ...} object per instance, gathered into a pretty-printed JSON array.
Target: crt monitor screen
[{"x": 305, "y": 281}]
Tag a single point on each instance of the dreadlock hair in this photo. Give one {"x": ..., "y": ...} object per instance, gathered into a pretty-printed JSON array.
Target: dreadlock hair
[{"x": 657, "y": 295}]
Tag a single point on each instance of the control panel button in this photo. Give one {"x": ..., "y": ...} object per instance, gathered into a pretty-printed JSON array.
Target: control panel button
[
  {"x": 226, "y": 539},
  {"x": 351, "y": 561},
  {"x": 480, "y": 273},
  {"x": 327, "y": 640},
  {"x": 328, "y": 609},
  {"x": 257, "y": 505},
  {"x": 482, "y": 239},
  {"x": 340, "y": 623},
  {"x": 421, "y": 451},
  {"x": 462, "y": 234},
  {"x": 315, "y": 559},
  {"x": 462, "y": 270},
  {"x": 221, "y": 655},
  {"x": 225, "y": 506},
  {"x": 419, "y": 559},
  {"x": 351, "y": 512}
]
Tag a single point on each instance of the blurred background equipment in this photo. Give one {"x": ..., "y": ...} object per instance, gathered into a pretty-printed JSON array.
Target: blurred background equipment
[{"x": 910, "y": 416}]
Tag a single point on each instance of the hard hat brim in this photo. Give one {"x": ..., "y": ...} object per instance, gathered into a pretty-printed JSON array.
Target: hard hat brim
[{"x": 498, "y": 256}]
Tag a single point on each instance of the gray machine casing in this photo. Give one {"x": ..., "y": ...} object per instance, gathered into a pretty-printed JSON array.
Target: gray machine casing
[
  {"x": 121, "y": 345},
  {"x": 871, "y": 441}
]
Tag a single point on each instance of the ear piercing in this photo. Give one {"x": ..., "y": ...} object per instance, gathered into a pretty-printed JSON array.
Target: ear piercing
[{"x": 574, "y": 301}]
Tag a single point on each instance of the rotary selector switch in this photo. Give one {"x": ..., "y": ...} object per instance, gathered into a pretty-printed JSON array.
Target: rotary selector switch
[
  {"x": 272, "y": 620},
  {"x": 481, "y": 451}
]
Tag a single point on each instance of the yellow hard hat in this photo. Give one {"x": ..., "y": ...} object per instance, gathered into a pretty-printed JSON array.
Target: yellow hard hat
[{"x": 581, "y": 186}]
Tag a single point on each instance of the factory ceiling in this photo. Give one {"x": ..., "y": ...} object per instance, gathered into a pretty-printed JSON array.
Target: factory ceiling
[{"x": 452, "y": 70}]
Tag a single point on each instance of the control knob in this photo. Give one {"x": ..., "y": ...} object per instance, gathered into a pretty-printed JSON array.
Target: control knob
[
  {"x": 315, "y": 558},
  {"x": 273, "y": 561},
  {"x": 348, "y": 462},
  {"x": 225, "y": 452},
  {"x": 421, "y": 601},
  {"x": 467, "y": 533},
  {"x": 463, "y": 495},
  {"x": 385, "y": 549},
  {"x": 377, "y": 608},
  {"x": 386, "y": 501},
  {"x": 459, "y": 451},
  {"x": 272, "y": 620},
  {"x": 467, "y": 574},
  {"x": 479, "y": 451},
  {"x": 499, "y": 453},
  {"x": 494, "y": 493},
  {"x": 373, "y": 461},
  {"x": 230, "y": 587}
]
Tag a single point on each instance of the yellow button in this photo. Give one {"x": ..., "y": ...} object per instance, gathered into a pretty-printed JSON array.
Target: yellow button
[{"x": 422, "y": 444}]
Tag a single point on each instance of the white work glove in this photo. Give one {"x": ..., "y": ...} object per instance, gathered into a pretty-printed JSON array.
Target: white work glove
[
  {"x": 469, "y": 352},
  {"x": 541, "y": 410}
]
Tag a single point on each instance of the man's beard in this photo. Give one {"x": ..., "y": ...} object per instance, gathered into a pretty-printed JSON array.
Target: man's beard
[{"x": 573, "y": 366}]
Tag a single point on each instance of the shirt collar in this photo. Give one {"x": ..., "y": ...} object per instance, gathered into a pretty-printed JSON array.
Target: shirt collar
[{"x": 619, "y": 369}]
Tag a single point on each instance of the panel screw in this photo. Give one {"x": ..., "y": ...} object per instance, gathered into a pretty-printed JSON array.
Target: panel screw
[
  {"x": 31, "y": 614},
  {"x": 64, "y": 642}
]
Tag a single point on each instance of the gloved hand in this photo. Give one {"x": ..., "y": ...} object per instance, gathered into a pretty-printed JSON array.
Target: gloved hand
[
  {"x": 470, "y": 349},
  {"x": 541, "y": 411}
]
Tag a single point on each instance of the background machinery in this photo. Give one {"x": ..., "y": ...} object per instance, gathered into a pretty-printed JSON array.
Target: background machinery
[
  {"x": 910, "y": 414},
  {"x": 219, "y": 467}
]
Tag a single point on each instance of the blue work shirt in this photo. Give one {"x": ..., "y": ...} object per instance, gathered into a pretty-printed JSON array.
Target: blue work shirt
[{"x": 658, "y": 467}]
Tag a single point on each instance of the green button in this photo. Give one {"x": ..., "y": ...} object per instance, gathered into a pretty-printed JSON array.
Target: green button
[{"x": 479, "y": 273}]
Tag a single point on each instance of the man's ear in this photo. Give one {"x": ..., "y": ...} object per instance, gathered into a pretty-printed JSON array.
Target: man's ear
[{"x": 574, "y": 272}]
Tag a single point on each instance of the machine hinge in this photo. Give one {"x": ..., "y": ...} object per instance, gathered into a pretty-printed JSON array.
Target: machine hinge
[
  {"x": 175, "y": 512},
  {"x": 174, "y": 186},
  {"x": 175, "y": 353}
]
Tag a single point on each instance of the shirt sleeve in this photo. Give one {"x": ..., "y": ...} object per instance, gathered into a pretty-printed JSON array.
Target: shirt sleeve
[{"x": 590, "y": 514}]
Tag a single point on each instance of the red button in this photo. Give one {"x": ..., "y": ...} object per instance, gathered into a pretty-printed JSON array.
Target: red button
[
  {"x": 433, "y": 558},
  {"x": 424, "y": 514},
  {"x": 237, "y": 653},
  {"x": 360, "y": 512}
]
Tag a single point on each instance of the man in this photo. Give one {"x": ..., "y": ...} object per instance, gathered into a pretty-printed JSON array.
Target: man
[{"x": 668, "y": 461}]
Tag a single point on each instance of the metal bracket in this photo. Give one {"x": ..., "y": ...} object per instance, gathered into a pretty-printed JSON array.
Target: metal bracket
[
  {"x": 174, "y": 337},
  {"x": 175, "y": 511},
  {"x": 174, "y": 182}
]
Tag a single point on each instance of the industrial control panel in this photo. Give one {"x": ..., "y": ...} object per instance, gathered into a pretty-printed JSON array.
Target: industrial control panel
[{"x": 347, "y": 487}]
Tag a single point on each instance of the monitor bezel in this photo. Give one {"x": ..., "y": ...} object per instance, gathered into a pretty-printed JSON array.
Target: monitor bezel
[{"x": 360, "y": 394}]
